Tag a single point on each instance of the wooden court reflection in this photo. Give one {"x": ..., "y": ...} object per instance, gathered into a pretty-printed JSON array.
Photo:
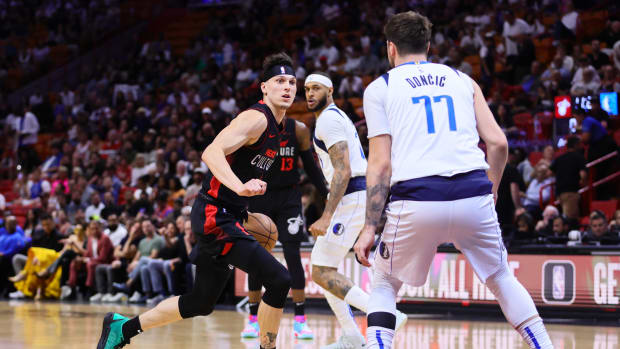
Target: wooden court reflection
[{"x": 58, "y": 325}]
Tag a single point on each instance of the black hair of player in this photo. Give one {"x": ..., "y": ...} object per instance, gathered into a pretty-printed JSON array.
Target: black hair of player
[
  {"x": 276, "y": 59},
  {"x": 409, "y": 31}
]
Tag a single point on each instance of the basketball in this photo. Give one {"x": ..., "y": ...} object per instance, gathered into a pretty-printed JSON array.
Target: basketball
[{"x": 263, "y": 229}]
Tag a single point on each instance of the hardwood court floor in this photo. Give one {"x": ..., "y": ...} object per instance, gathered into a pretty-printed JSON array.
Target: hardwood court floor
[{"x": 58, "y": 325}]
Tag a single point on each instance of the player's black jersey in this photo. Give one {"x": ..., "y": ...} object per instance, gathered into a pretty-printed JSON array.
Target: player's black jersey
[
  {"x": 285, "y": 172},
  {"x": 248, "y": 162}
]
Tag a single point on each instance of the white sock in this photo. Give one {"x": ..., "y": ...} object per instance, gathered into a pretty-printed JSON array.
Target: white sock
[
  {"x": 343, "y": 314},
  {"x": 379, "y": 337},
  {"x": 535, "y": 334},
  {"x": 357, "y": 298}
]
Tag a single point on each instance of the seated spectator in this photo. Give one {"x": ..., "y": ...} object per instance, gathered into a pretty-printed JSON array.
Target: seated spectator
[
  {"x": 74, "y": 245},
  {"x": 124, "y": 253},
  {"x": 456, "y": 61},
  {"x": 525, "y": 227},
  {"x": 560, "y": 227},
  {"x": 93, "y": 211},
  {"x": 598, "y": 232},
  {"x": 169, "y": 258},
  {"x": 545, "y": 226},
  {"x": 44, "y": 251},
  {"x": 115, "y": 231},
  {"x": 148, "y": 249},
  {"x": 531, "y": 198},
  {"x": 12, "y": 241},
  {"x": 189, "y": 242},
  {"x": 614, "y": 224},
  {"x": 37, "y": 186},
  {"x": 351, "y": 86},
  {"x": 162, "y": 208},
  {"x": 176, "y": 190},
  {"x": 194, "y": 188},
  {"x": 597, "y": 57}
]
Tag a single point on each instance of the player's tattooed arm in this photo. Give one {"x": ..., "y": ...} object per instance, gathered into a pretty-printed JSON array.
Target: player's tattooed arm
[
  {"x": 268, "y": 340},
  {"x": 339, "y": 156},
  {"x": 378, "y": 176}
]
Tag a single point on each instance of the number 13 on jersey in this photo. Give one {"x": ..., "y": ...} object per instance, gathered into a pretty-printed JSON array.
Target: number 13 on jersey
[{"x": 430, "y": 122}]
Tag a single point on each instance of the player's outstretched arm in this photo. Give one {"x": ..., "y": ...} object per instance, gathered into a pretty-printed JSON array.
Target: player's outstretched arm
[
  {"x": 245, "y": 129},
  {"x": 493, "y": 137},
  {"x": 378, "y": 174},
  {"x": 339, "y": 157}
]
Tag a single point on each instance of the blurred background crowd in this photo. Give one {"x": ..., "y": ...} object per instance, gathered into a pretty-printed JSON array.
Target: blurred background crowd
[{"x": 99, "y": 173}]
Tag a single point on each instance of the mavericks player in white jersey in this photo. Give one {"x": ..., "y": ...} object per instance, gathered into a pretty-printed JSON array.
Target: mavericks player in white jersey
[
  {"x": 344, "y": 166},
  {"x": 424, "y": 123}
]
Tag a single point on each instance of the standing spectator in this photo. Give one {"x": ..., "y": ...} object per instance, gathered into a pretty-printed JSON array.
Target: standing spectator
[
  {"x": 566, "y": 27},
  {"x": 570, "y": 171},
  {"x": 513, "y": 28},
  {"x": 28, "y": 132},
  {"x": 600, "y": 144},
  {"x": 508, "y": 194}
]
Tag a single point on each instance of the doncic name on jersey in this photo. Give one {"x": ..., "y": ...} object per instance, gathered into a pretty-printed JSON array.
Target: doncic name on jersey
[{"x": 264, "y": 162}]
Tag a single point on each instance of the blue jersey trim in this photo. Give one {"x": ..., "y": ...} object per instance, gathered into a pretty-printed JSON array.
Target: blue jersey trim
[
  {"x": 386, "y": 77},
  {"x": 319, "y": 143},
  {"x": 356, "y": 184},
  {"x": 439, "y": 188}
]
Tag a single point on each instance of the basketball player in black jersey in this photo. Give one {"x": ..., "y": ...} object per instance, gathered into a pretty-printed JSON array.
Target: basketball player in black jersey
[
  {"x": 238, "y": 158},
  {"x": 282, "y": 203}
]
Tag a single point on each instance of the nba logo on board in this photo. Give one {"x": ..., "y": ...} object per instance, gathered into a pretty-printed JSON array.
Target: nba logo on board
[
  {"x": 282, "y": 70},
  {"x": 383, "y": 250},
  {"x": 338, "y": 229},
  {"x": 558, "y": 282}
]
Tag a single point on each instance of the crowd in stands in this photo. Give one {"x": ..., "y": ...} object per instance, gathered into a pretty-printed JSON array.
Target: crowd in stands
[
  {"x": 108, "y": 169},
  {"x": 38, "y": 35}
]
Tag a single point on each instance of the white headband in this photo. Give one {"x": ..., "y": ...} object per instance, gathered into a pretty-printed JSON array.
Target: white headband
[{"x": 321, "y": 79}]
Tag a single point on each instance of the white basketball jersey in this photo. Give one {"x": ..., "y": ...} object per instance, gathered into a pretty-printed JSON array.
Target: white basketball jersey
[
  {"x": 333, "y": 126},
  {"x": 428, "y": 109}
]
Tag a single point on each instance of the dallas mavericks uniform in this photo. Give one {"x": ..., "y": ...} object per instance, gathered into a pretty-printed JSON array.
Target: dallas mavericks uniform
[
  {"x": 333, "y": 126},
  {"x": 439, "y": 188}
]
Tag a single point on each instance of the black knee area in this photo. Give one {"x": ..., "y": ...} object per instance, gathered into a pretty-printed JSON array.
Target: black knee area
[
  {"x": 254, "y": 283},
  {"x": 191, "y": 305},
  {"x": 293, "y": 261},
  {"x": 382, "y": 319},
  {"x": 275, "y": 277}
]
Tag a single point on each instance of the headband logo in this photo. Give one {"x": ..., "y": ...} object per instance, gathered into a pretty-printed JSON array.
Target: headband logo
[{"x": 282, "y": 70}]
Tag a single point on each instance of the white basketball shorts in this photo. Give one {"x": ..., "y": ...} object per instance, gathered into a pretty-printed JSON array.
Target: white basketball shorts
[
  {"x": 414, "y": 229},
  {"x": 330, "y": 249}
]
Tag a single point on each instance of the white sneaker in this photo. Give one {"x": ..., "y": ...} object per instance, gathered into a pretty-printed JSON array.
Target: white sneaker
[
  {"x": 96, "y": 297},
  {"x": 119, "y": 297},
  {"x": 106, "y": 297},
  {"x": 135, "y": 297},
  {"x": 401, "y": 320},
  {"x": 348, "y": 341},
  {"x": 65, "y": 292},
  {"x": 17, "y": 295}
]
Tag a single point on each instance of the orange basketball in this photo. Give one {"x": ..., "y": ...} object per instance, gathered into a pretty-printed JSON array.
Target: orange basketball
[{"x": 263, "y": 229}]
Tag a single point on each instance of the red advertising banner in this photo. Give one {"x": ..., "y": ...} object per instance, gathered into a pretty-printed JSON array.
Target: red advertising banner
[{"x": 558, "y": 280}]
